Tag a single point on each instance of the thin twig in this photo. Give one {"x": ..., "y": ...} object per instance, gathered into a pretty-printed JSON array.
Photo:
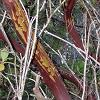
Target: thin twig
[
  {"x": 4, "y": 33},
  {"x": 85, "y": 63}
]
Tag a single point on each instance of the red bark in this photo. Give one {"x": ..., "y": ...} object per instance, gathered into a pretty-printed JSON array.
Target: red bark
[{"x": 47, "y": 69}]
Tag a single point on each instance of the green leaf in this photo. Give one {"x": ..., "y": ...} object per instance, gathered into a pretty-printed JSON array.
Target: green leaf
[
  {"x": 4, "y": 54},
  {"x": 2, "y": 67},
  {"x": 93, "y": 2},
  {"x": 79, "y": 64}
]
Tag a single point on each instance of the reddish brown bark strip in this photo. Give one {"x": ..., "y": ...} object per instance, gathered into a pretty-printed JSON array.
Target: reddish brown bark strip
[
  {"x": 47, "y": 69},
  {"x": 68, "y": 7}
]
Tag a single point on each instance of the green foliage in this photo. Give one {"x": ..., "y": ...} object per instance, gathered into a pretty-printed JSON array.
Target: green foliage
[
  {"x": 79, "y": 65},
  {"x": 4, "y": 54},
  {"x": 3, "y": 94},
  {"x": 2, "y": 67},
  {"x": 1, "y": 44},
  {"x": 93, "y": 2}
]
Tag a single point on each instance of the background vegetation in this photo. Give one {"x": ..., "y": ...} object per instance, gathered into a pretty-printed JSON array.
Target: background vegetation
[{"x": 60, "y": 47}]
